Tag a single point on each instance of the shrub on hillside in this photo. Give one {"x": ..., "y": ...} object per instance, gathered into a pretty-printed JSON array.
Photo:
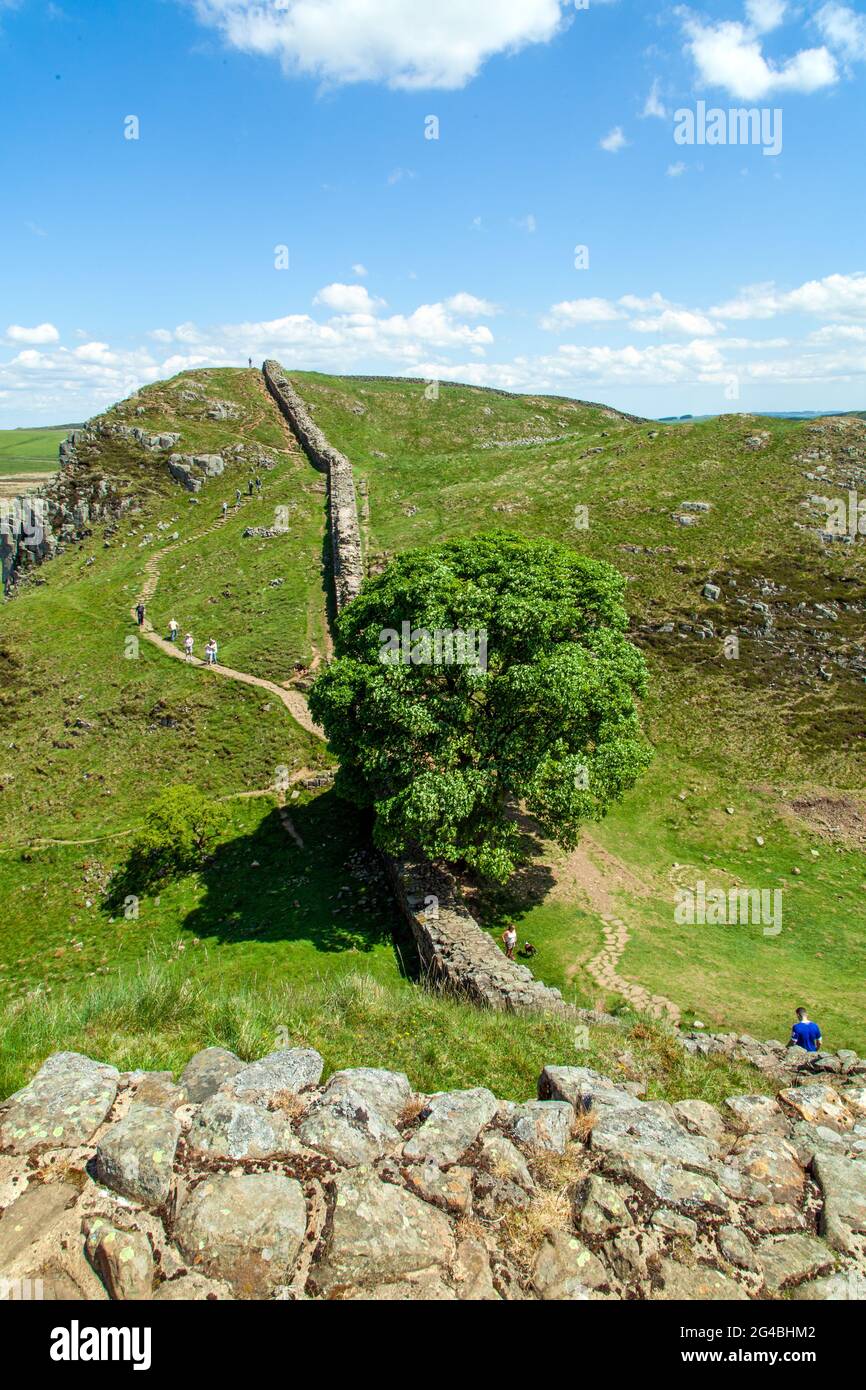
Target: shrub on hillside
[
  {"x": 477, "y": 678},
  {"x": 181, "y": 828}
]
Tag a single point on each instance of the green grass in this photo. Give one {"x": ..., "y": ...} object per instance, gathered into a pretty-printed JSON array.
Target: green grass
[
  {"x": 90, "y": 731},
  {"x": 755, "y": 733},
  {"x": 159, "y": 1015},
  {"x": 30, "y": 451}
]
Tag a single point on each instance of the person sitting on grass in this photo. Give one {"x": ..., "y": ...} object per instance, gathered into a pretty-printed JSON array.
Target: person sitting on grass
[{"x": 805, "y": 1034}]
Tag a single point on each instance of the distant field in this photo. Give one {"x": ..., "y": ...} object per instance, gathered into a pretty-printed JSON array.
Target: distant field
[{"x": 30, "y": 451}]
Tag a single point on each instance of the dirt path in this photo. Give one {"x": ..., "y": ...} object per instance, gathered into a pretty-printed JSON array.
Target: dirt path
[
  {"x": 293, "y": 700},
  {"x": 596, "y": 876}
]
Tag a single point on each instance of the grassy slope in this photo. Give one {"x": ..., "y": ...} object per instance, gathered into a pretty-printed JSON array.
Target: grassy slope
[
  {"x": 752, "y": 734},
  {"x": 29, "y": 451},
  {"x": 88, "y": 736}
]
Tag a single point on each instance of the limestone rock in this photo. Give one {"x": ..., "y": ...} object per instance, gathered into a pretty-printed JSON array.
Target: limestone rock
[
  {"x": 122, "y": 1259},
  {"x": 756, "y": 1115},
  {"x": 246, "y": 1229},
  {"x": 599, "y": 1208},
  {"x": 500, "y": 1157},
  {"x": 736, "y": 1249},
  {"x": 346, "y": 1127},
  {"x": 772, "y": 1161},
  {"x": 698, "y": 1284},
  {"x": 207, "y": 1071},
  {"x": 227, "y": 1128},
  {"x": 386, "y": 1092},
  {"x": 379, "y": 1233},
  {"x": 290, "y": 1069},
  {"x": 788, "y": 1260},
  {"x": 843, "y": 1184},
  {"x": 543, "y": 1124},
  {"x": 818, "y": 1104},
  {"x": 449, "y": 1188},
  {"x": 63, "y": 1106},
  {"x": 565, "y": 1270},
  {"x": 452, "y": 1122},
  {"x": 700, "y": 1118},
  {"x": 158, "y": 1090},
  {"x": 135, "y": 1157}
]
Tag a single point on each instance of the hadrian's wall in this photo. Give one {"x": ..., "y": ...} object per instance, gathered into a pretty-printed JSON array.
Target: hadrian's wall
[
  {"x": 345, "y": 532},
  {"x": 454, "y": 951}
]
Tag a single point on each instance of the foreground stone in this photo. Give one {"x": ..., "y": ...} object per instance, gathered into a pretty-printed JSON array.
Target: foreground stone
[
  {"x": 136, "y": 1157},
  {"x": 245, "y": 1229},
  {"x": 64, "y": 1105}
]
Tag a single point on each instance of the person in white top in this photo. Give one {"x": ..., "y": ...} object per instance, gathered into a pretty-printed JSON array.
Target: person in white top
[
  {"x": 188, "y": 645},
  {"x": 509, "y": 940},
  {"x": 172, "y": 630}
]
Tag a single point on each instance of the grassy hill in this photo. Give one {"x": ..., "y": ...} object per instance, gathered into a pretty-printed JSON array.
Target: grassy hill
[
  {"x": 30, "y": 451},
  {"x": 272, "y": 933}
]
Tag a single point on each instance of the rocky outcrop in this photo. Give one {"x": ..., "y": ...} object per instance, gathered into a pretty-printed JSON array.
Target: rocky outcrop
[
  {"x": 191, "y": 470},
  {"x": 342, "y": 504},
  {"x": 254, "y": 1181}
]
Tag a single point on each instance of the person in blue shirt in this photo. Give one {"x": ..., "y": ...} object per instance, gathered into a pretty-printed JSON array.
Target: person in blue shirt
[{"x": 805, "y": 1034}]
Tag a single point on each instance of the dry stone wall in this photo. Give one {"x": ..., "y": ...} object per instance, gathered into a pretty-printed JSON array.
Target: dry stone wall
[
  {"x": 343, "y": 509},
  {"x": 454, "y": 952},
  {"x": 257, "y": 1181}
]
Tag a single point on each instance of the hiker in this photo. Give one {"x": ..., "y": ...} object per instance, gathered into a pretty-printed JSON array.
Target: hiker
[
  {"x": 139, "y": 613},
  {"x": 225, "y": 510},
  {"x": 805, "y": 1034},
  {"x": 172, "y": 630},
  {"x": 258, "y": 484},
  {"x": 188, "y": 646},
  {"x": 509, "y": 939},
  {"x": 237, "y": 497},
  {"x": 250, "y": 360},
  {"x": 210, "y": 653},
  {"x": 250, "y": 486}
]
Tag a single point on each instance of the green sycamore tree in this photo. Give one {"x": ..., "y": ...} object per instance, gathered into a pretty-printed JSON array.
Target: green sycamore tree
[{"x": 446, "y": 750}]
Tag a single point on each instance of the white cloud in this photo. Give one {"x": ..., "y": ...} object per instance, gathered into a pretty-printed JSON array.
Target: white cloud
[
  {"x": 570, "y": 312},
  {"x": 844, "y": 29},
  {"x": 614, "y": 141},
  {"x": 41, "y": 333},
  {"x": 654, "y": 106},
  {"x": 730, "y": 55},
  {"x": 528, "y": 223},
  {"x": 765, "y": 15},
  {"x": 348, "y": 299},
  {"x": 836, "y": 296},
  {"x": 405, "y": 43},
  {"x": 675, "y": 171},
  {"x": 467, "y": 306},
  {"x": 360, "y": 270}
]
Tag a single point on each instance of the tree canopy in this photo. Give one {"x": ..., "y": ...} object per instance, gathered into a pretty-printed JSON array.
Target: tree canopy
[{"x": 444, "y": 736}]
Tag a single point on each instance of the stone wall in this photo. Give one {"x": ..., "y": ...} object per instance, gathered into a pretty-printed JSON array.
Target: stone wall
[
  {"x": 455, "y": 953},
  {"x": 257, "y": 1181},
  {"x": 343, "y": 509}
]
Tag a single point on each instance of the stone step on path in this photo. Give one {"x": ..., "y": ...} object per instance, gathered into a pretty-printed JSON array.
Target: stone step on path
[{"x": 603, "y": 969}]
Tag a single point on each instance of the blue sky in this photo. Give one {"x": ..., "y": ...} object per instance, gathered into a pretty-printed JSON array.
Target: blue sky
[{"x": 720, "y": 277}]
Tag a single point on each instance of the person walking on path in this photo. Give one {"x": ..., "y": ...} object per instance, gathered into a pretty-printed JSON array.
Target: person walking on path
[
  {"x": 172, "y": 630},
  {"x": 258, "y": 484},
  {"x": 250, "y": 486},
  {"x": 805, "y": 1034},
  {"x": 139, "y": 613},
  {"x": 237, "y": 497},
  {"x": 225, "y": 510},
  {"x": 210, "y": 652},
  {"x": 509, "y": 940},
  {"x": 188, "y": 646}
]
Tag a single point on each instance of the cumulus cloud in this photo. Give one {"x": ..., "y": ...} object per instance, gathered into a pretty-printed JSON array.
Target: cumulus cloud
[
  {"x": 348, "y": 299},
  {"x": 570, "y": 312},
  {"x": 843, "y": 29},
  {"x": 468, "y": 306},
  {"x": 836, "y": 296},
  {"x": 730, "y": 55},
  {"x": 41, "y": 333},
  {"x": 614, "y": 141},
  {"x": 403, "y": 43},
  {"x": 654, "y": 106}
]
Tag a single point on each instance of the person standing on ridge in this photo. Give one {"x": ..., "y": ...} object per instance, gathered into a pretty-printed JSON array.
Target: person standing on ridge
[
  {"x": 188, "y": 646},
  {"x": 139, "y": 613},
  {"x": 805, "y": 1033},
  {"x": 172, "y": 630}
]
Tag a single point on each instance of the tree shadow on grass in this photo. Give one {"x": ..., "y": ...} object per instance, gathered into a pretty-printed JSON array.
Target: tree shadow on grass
[
  {"x": 528, "y": 886},
  {"x": 264, "y": 887}
]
